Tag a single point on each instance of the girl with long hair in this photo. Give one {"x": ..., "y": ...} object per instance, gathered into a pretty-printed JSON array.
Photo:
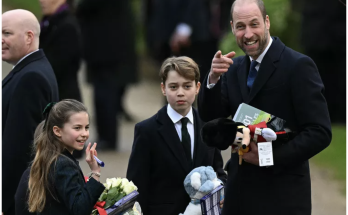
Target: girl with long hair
[{"x": 56, "y": 182}]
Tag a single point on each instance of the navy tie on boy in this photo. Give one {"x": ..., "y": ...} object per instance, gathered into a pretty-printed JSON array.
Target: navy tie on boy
[
  {"x": 252, "y": 74},
  {"x": 186, "y": 140}
]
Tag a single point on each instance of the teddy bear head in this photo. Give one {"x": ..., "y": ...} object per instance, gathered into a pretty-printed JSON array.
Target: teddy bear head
[{"x": 200, "y": 181}]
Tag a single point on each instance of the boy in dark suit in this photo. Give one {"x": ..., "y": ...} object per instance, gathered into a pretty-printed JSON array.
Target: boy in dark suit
[{"x": 168, "y": 145}]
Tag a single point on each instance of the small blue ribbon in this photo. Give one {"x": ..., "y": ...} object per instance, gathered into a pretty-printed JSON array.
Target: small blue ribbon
[{"x": 195, "y": 201}]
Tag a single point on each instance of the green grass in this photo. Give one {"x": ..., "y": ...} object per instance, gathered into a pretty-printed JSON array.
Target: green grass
[
  {"x": 334, "y": 156},
  {"x": 31, "y": 5}
]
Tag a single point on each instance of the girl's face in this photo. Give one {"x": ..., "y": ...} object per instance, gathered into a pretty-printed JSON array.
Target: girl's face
[{"x": 75, "y": 132}]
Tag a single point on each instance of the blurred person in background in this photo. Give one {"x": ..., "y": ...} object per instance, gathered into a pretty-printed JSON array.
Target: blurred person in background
[
  {"x": 26, "y": 91},
  {"x": 107, "y": 29},
  {"x": 60, "y": 39},
  {"x": 186, "y": 28},
  {"x": 327, "y": 49}
]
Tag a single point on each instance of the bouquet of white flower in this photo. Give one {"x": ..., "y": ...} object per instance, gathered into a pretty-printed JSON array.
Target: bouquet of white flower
[{"x": 118, "y": 193}]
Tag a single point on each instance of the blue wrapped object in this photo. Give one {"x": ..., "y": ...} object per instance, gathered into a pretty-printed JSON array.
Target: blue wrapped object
[
  {"x": 123, "y": 204},
  {"x": 210, "y": 203}
]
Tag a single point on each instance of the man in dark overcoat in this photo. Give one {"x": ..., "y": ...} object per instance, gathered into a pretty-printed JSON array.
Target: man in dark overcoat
[
  {"x": 279, "y": 81},
  {"x": 26, "y": 91}
]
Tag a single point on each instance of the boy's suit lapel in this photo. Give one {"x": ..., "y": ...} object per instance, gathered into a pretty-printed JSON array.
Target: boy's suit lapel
[{"x": 170, "y": 136}]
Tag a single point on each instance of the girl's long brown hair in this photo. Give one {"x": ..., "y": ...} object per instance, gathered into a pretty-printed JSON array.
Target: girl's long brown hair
[{"x": 47, "y": 148}]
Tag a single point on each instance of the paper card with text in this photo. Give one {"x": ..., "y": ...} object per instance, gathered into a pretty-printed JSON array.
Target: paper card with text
[{"x": 265, "y": 154}]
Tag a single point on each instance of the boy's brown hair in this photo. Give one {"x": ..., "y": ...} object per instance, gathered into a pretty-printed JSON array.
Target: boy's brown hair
[{"x": 185, "y": 66}]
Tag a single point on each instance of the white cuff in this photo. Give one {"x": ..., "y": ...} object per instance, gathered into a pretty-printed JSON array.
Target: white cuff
[{"x": 210, "y": 86}]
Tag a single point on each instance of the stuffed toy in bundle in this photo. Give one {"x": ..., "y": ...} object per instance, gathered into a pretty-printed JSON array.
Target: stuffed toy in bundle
[
  {"x": 199, "y": 182},
  {"x": 222, "y": 133}
]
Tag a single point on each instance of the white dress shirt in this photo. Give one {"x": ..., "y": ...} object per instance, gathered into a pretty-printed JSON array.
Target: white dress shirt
[
  {"x": 259, "y": 59},
  {"x": 176, "y": 117}
]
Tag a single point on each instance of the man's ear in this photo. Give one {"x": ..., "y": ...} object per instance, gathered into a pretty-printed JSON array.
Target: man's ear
[
  {"x": 29, "y": 37},
  {"x": 57, "y": 131},
  {"x": 198, "y": 87},
  {"x": 267, "y": 22},
  {"x": 232, "y": 27},
  {"x": 163, "y": 88}
]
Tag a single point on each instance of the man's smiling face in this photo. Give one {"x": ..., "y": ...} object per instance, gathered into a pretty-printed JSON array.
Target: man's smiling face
[{"x": 250, "y": 29}]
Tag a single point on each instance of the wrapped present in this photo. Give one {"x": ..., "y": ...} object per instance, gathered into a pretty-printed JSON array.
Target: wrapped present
[
  {"x": 123, "y": 205},
  {"x": 210, "y": 203},
  {"x": 135, "y": 210}
]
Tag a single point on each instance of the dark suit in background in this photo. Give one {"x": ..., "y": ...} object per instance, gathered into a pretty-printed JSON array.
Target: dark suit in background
[
  {"x": 26, "y": 91},
  {"x": 109, "y": 50},
  {"x": 328, "y": 50},
  {"x": 289, "y": 86},
  {"x": 158, "y": 165},
  {"x": 61, "y": 40},
  {"x": 207, "y": 19}
]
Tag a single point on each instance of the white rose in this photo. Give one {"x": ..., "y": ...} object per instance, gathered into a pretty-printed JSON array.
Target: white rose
[
  {"x": 124, "y": 182},
  {"x": 108, "y": 183},
  {"x": 130, "y": 187},
  {"x": 132, "y": 184},
  {"x": 113, "y": 180},
  {"x": 116, "y": 182}
]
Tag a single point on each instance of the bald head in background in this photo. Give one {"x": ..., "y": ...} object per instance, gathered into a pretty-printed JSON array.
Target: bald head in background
[{"x": 20, "y": 35}]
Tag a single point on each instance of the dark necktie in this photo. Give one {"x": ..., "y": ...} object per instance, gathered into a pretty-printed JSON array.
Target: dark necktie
[
  {"x": 186, "y": 140},
  {"x": 252, "y": 74}
]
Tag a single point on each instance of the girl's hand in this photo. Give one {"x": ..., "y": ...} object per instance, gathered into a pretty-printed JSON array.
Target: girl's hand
[{"x": 93, "y": 165}]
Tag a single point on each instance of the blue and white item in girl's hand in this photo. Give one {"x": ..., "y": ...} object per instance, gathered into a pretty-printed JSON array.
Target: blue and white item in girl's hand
[{"x": 100, "y": 163}]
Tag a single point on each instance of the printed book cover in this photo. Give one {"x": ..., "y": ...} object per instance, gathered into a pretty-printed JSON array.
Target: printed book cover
[
  {"x": 210, "y": 203},
  {"x": 249, "y": 115}
]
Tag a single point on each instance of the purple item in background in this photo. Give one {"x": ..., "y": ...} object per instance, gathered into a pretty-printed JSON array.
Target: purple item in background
[{"x": 45, "y": 20}]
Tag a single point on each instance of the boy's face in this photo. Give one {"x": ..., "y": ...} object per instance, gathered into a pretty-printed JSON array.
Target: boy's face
[{"x": 180, "y": 92}]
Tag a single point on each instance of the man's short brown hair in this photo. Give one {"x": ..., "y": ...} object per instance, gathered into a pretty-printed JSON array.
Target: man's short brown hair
[
  {"x": 185, "y": 66},
  {"x": 259, "y": 3}
]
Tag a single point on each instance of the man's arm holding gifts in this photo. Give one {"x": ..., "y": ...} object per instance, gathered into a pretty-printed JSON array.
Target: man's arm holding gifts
[{"x": 312, "y": 116}]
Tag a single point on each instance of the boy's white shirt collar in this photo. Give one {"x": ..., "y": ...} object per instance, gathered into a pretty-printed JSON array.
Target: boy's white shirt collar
[
  {"x": 260, "y": 58},
  {"x": 176, "y": 117}
]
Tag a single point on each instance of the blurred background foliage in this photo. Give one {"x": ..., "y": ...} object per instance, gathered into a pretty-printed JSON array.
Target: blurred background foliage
[{"x": 285, "y": 23}]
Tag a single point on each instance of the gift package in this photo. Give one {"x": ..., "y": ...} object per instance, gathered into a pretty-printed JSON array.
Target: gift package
[{"x": 210, "y": 203}]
